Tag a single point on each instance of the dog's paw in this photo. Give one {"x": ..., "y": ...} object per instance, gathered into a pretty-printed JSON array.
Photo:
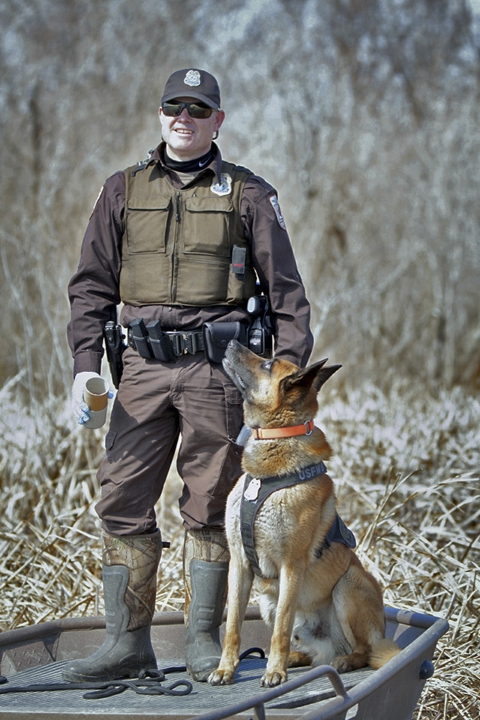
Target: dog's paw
[
  {"x": 272, "y": 678},
  {"x": 221, "y": 677},
  {"x": 347, "y": 663},
  {"x": 342, "y": 664},
  {"x": 298, "y": 659}
]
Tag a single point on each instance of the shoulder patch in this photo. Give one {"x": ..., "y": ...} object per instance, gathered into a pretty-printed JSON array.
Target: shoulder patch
[
  {"x": 96, "y": 201},
  {"x": 276, "y": 206}
]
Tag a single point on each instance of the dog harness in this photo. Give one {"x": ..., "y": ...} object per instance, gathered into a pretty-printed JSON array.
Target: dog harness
[{"x": 257, "y": 490}]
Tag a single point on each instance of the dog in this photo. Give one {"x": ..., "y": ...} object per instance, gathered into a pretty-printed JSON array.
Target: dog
[{"x": 322, "y": 605}]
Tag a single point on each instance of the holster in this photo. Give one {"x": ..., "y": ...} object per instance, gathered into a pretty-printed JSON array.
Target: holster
[
  {"x": 114, "y": 345},
  {"x": 216, "y": 337}
]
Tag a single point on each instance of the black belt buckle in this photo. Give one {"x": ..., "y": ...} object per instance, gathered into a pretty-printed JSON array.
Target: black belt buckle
[
  {"x": 193, "y": 342},
  {"x": 178, "y": 343},
  {"x": 183, "y": 343}
]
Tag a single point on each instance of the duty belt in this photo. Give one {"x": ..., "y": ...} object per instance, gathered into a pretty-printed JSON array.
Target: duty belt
[
  {"x": 182, "y": 343},
  {"x": 153, "y": 343}
]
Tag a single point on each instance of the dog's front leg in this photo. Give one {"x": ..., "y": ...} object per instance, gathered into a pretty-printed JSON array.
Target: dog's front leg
[
  {"x": 289, "y": 589},
  {"x": 240, "y": 579}
]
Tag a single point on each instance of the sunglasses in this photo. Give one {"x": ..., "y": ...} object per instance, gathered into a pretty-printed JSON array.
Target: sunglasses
[{"x": 194, "y": 109}]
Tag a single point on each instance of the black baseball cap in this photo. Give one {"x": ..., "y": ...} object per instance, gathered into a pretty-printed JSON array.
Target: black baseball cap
[{"x": 194, "y": 83}]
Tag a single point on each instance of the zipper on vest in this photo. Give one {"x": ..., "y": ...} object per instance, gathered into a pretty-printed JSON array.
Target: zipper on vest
[{"x": 176, "y": 203}]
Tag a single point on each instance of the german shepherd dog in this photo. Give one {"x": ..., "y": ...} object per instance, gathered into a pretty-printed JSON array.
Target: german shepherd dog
[{"x": 314, "y": 594}]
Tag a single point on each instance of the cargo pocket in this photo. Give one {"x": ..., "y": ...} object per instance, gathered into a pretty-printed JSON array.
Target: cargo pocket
[
  {"x": 207, "y": 221},
  {"x": 146, "y": 224},
  {"x": 110, "y": 442}
]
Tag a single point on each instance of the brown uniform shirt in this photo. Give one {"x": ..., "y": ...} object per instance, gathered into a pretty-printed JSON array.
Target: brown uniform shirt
[{"x": 94, "y": 289}]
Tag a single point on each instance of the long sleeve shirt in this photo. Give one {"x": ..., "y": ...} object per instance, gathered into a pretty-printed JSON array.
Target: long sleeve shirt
[{"x": 94, "y": 289}]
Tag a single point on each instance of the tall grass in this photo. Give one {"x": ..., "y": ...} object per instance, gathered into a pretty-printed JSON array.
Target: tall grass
[
  {"x": 407, "y": 474},
  {"x": 406, "y": 471}
]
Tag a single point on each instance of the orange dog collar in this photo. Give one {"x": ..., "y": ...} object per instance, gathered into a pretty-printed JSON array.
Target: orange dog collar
[{"x": 282, "y": 432}]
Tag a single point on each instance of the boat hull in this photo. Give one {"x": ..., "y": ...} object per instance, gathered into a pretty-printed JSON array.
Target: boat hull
[{"x": 36, "y": 654}]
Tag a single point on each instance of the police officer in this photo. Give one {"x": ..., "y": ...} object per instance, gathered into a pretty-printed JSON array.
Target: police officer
[{"x": 181, "y": 240}]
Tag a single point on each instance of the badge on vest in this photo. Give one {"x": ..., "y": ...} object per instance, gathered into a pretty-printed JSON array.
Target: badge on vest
[
  {"x": 251, "y": 493},
  {"x": 224, "y": 187},
  {"x": 276, "y": 206}
]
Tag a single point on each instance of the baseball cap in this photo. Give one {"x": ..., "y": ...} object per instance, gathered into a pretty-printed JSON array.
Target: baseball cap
[{"x": 194, "y": 83}]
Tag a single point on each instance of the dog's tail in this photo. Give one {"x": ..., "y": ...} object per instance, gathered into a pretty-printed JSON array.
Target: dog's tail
[{"x": 381, "y": 652}]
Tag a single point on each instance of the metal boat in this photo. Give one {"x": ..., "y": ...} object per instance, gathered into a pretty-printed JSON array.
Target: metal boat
[{"x": 35, "y": 655}]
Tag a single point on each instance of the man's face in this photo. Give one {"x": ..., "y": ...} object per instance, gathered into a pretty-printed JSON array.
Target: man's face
[{"x": 188, "y": 138}]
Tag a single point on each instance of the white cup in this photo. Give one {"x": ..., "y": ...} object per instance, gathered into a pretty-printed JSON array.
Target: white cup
[{"x": 96, "y": 397}]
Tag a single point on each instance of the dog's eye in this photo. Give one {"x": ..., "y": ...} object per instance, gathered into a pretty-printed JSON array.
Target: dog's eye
[{"x": 267, "y": 365}]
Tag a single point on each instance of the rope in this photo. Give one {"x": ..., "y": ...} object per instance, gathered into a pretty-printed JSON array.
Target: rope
[
  {"x": 251, "y": 651},
  {"x": 149, "y": 682}
]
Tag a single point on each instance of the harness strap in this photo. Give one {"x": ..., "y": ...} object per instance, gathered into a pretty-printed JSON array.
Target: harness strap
[{"x": 338, "y": 532}]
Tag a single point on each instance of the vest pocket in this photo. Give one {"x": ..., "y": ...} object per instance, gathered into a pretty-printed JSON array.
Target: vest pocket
[
  {"x": 206, "y": 228},
  {"x": 146, "y": 223}
]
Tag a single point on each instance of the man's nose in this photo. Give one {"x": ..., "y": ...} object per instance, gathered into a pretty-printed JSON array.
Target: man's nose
[{"x": 184, "y": 114}]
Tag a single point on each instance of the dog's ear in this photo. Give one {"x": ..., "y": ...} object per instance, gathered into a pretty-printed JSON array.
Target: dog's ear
[{"x": 315, "y": 375}]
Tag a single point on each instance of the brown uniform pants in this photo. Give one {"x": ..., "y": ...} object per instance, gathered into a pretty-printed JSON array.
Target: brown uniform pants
[{"x": 155, "y": 403}]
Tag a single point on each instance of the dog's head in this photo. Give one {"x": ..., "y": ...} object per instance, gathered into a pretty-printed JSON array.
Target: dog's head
[{"x": 275, "y": 391}]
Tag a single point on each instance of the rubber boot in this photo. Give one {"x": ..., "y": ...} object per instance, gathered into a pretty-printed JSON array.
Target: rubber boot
[
  {"x": 206, "y": 590},
  {"x": 129, "y": 580}
]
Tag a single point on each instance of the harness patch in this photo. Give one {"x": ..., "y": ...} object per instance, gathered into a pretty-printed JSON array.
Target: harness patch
[{"x": 253, "y": 489}]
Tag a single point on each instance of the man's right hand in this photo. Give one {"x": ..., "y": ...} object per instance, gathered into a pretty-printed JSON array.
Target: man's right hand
[{"x": 80, "y": 408}]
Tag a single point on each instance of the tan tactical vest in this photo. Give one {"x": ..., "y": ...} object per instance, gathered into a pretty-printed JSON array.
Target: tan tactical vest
[{"x": 177, "y": 246}]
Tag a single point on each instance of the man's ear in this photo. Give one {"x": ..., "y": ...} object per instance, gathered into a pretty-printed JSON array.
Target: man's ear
[
  {"x": 220, "y": 117},
  {"x": 316, "y": 375}
]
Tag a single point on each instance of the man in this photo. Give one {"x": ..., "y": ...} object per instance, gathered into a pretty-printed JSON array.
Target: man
[{"x": 180, "y": 239}]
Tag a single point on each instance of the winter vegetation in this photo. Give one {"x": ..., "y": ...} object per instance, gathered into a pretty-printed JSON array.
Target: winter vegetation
[{"x": 364, "y": 114}]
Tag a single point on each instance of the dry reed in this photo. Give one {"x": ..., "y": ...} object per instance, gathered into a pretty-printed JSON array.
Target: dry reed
[{"x": 406, "y": 470}]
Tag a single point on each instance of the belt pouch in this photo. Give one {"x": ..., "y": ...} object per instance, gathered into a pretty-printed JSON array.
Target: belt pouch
[
  {"x": 216, "y": 337},
  {"x": 160, "y": 342},
  {"x": 140, "y": 338}
]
